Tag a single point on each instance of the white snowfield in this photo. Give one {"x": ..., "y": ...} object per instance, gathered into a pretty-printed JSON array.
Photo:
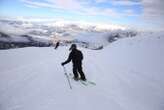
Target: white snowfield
[{"x": 129, "y": 75}]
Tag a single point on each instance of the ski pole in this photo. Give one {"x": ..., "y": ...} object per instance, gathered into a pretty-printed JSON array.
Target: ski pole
[{"x": 65, "y": 72}]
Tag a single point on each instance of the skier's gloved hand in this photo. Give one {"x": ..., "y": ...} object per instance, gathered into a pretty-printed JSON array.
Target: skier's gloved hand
[{"x": 62, "y": 64}]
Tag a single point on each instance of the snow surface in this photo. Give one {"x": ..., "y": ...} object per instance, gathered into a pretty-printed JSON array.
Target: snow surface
[{"x": 128, "y": 75}]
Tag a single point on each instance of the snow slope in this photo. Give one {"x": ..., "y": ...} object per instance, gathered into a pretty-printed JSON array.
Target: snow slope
[{"x": 128, "y": 75}]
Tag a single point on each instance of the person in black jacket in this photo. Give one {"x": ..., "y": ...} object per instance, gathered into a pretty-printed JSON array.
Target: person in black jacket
[
  {"x": 76, "y": 57},
  {"x": 57, "y": 45}
]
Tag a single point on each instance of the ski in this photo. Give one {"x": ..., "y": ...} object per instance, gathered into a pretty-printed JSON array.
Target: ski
[{"x": 85, "y": 83}]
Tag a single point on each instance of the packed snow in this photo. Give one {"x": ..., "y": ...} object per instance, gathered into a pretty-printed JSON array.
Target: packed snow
[{"x": 128, "y": 74}]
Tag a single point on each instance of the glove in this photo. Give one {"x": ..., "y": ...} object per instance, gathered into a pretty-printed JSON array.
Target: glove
[{"x": 62, "y": 64}]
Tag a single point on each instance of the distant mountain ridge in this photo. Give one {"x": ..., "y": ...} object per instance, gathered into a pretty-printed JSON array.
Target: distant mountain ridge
[{"x": 19, "y": 33}]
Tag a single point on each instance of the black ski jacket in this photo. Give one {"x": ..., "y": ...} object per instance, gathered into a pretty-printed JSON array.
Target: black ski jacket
[{"x": 76, "y": 56}]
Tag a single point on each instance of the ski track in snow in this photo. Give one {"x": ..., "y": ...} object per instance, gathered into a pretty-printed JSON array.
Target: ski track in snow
[{"x": 33, "y": 79}]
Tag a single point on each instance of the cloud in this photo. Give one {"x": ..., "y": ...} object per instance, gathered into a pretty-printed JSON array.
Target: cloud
[
  {"x": 153, "y": 8},
  {"x": 80, "y": 7},
  {"x": 120, "y": 2},
  {"x": 125, "y": 2},
  {"x": 55, "y": 4},
  {"x": 66, "y": 4},
  {"x": 153, "y": 12},
  {"x": 37, "y": 4},
  {"x": 31, "y": 6},
  {"x": 100, "y": 1}
]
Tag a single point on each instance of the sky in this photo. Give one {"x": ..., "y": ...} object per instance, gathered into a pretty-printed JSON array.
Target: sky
[{"x": 143, "y": 14}]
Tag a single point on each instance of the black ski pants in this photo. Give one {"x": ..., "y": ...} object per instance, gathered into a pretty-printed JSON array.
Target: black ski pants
[{"x": 77, "y": 68}]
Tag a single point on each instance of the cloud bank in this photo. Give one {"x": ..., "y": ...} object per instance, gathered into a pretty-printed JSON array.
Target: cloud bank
[{"x": 147, "y": 11}]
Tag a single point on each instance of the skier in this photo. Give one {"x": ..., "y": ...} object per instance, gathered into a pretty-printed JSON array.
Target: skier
[
  {"x": 57, "y": 45},
  {"x": 76, "y": 56}
]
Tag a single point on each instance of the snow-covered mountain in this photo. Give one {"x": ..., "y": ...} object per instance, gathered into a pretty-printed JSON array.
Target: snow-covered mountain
[
  {"x": 128, "y": 76},
  {"x": 48, "y": 32}
]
